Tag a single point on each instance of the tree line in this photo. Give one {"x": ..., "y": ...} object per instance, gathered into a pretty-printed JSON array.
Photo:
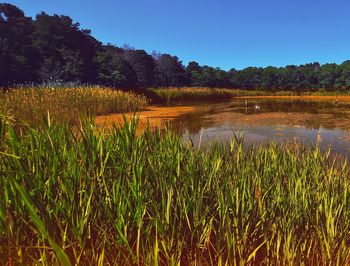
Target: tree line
[{"x": 53, "y": 48}]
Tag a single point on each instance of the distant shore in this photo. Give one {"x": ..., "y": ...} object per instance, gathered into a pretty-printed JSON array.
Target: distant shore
[
  {"x": 318, "y": 97},
  {"x": 30, "y": 104},
  {"x": 191, "y": 94}
]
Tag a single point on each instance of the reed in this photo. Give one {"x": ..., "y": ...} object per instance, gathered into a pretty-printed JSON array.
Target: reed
[
  {"x": 201, "y": 93},
  {"x": 87, "y": 197},
  {"x": 30, "y": 105},
  {"x": 172, "y": 94}
]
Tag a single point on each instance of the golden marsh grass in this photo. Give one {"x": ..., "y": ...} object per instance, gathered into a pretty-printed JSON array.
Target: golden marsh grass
[{"x": 30, "y": 105}]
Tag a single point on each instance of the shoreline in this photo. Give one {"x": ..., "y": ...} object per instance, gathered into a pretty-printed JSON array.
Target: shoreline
[
  {"x": 152, "y": 115},
  {"x": 156, "y": 115},
  {"x": 295, "y": 97}
]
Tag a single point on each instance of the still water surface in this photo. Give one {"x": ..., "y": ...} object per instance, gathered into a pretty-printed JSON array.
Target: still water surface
[{"x": 326, "y": 122}]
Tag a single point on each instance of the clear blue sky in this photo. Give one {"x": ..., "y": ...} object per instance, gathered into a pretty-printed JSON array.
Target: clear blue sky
[{"x": 219, "y": 33}]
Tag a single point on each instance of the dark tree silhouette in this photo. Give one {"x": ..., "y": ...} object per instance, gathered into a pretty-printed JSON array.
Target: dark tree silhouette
[
  {"x": 66, "y": 52},
  {"x": 113, "y": 69},
  {"x": 54, "y": 48},
  {"x": 18, "y": 58},
  {"x": 169, "y": 71},
  {"x": 143, "y": 65}
]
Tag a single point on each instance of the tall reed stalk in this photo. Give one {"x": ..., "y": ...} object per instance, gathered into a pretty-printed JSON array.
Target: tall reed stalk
[{"x": 111, "y": 198}]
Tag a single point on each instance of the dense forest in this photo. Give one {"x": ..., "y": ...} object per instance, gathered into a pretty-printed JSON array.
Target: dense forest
[{"x": 54, "y": 49}]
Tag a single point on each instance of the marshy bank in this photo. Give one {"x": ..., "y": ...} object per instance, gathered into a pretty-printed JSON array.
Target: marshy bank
[
  {"x": 195, "y": 94},
  {"x": 66, "y": 104},
  {"x": 198, "y": 114}
]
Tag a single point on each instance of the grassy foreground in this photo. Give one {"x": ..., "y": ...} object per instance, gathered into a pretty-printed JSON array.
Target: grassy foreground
[
  {"x": 78, "y": 197},
  {"x": 30, "y": 105}
]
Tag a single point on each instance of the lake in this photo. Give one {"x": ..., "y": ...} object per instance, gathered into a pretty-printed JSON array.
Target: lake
[
  {"x": 261, "y": 120},
  {"x": 307, "y": 121}
]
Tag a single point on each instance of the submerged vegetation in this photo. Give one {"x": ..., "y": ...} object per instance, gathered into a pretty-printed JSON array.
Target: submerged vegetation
[
  {"x": 30, "y": 105},
  {"x": 82, "y": 197}
]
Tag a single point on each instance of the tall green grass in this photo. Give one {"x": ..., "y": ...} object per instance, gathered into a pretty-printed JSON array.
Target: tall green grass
[
  {"x": 113, "y": 198},
  {"x": 29, "y": 105}
]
